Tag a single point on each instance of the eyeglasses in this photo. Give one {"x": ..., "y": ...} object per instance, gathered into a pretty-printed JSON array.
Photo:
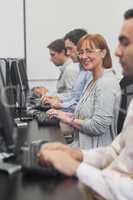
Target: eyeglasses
[{"x": 88, "y": 52}]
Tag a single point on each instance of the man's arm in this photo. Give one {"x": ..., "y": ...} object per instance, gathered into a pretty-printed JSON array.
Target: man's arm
[
  {"x": 107, "y": 183},
  {"x": 114, "y": 179},
  {"x": 102, "y": 156}
]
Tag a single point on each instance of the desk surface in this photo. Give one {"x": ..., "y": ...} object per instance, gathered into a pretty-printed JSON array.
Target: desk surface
[{"x": 19, "y": 187}]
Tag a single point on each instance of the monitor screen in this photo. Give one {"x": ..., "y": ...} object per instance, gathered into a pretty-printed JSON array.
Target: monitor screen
[
  {"x": 20, "y": 81},
  {"x": 6, "y": 126},
  {"x": 5, "y": 87},
  {"x": 13, "y": 79},
  {"x": 2, "y": 72},
  {"x": 18, "y": 74},
  {"x": 6, "y": 122}
]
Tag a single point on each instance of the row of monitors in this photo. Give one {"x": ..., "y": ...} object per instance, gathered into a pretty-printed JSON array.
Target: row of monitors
[
  {"x": 14, "y": 81},
  {"x": 12, "y": 77},
  {"x": 13, "y": 70}
]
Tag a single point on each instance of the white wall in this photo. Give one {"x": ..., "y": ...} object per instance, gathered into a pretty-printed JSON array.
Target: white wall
[
  {"x": 11, "y": 28},
  {"x": 48, "y": 20}
]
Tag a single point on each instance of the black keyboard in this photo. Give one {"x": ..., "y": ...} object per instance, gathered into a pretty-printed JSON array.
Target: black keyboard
[
  {"x": 43, "y": 107},
  {"x": 43, "y": 120},
  {"x": 30, "y": 164},
  {"x": 48, "y": 171},
  {"x": 37, "y": 104}
]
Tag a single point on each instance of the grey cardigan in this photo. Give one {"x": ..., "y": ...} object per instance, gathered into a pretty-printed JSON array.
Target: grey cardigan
[{"x": 99, "y": 112}]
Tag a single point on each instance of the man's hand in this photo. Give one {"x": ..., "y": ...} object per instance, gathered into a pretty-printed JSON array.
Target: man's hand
[
  {"x": 60, "y": 160},
  {"x": 40, "y": 90},
  {"x": 52, "y": 100},
  {"x": 74, "y": 153}
]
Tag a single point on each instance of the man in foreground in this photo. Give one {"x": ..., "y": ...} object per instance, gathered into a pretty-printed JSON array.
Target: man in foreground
[{"x": 107, "y": 170}]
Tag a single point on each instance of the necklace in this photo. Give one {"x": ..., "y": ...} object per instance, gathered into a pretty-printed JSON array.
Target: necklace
[
  {"x": 88, "y": 91},
  {"x": 84, "y": 98}
]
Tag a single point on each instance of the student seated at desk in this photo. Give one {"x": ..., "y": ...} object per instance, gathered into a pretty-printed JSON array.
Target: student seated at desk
[
  {"x": 67, "y": 102},
  {"x": 94, "y": 119},
  {"x": 106, "y": 170},
  {"x": 68, "y": 70}
]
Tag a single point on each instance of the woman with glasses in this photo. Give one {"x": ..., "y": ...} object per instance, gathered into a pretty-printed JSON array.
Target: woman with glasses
[{"x": 95, "y": 117}]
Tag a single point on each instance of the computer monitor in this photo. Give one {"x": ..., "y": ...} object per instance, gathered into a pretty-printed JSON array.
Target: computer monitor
[
  {"x": 19, "y": 75},
  {"x": 5, "y": 82},
  {"x": 6, "y": 121},
  {"x": 6, "y": 125},
  {"x": 19, "y": 81},
  {"x": 2, "y": 72}
]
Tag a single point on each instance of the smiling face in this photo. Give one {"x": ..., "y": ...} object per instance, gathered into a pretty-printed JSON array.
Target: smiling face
[
  {"x": 90, "y": 56},
  {"x": 125, "y": 48}
]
